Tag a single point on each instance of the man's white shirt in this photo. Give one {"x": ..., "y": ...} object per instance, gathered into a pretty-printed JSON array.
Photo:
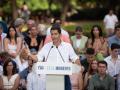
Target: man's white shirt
[
  {"x": 51, "y": 53},
  {"x": 110, "y": 21},
  {"x": 112, "y": 68}
]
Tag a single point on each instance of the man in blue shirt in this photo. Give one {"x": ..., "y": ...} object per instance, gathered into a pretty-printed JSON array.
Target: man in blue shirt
[
  {"x": 115, "y": 38},
  {"x": 24, "y": 74}
]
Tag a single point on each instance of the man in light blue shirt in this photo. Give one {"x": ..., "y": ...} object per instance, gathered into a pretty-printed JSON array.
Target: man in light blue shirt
[{"x": 115, "y": 38}]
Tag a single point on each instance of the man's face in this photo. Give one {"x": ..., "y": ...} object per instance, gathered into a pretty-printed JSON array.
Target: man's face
[
  {"x": 34, "y": 31},
  {"x": 78, "y": 34},
  {"x": 111, "y": 12},
  {"x": 55, "y": 35},
  {"x": 29, "y": 25},
  {"x": 118, "y": 32},
  {"x": 115, "y": 52},
  {"x": 90, "y": 57},
  {"x": 102, "y": 69}
]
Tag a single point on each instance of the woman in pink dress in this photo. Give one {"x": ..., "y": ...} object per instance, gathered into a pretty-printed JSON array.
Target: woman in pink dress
[{"x": 98, "y": 42}]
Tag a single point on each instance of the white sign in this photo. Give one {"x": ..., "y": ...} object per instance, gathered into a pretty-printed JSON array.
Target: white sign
[{"x": 53, "y": 68}]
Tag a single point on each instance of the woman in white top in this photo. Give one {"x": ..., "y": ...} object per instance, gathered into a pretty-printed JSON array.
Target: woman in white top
[
  {"x": 12, "y": 43},
  {"x": 10, "y": 79}
]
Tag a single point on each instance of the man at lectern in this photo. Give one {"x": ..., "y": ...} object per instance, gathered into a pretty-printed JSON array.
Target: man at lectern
[{"x": 57, "y": 51}]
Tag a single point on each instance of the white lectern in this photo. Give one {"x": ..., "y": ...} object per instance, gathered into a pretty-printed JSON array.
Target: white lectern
[
  {"x": 55, "y": 82},
  {"x": 55, "y": 74}
]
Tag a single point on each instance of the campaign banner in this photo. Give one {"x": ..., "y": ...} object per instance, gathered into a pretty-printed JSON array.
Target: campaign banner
[{"x": 53, "y": 68}]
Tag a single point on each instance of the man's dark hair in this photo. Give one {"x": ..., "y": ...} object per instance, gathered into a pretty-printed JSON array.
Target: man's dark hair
[
  {"x": 115, "y": 46},
  {"x": 90, "y": 51},
  {"x": 57, "y": 18},
  {"x": 79, "y": 28},
  {"x": 102, "y": 62},
  {"x": 14, "y": 70},
  {"x": 56, "y": 27},
  {"x": 117, "y": 26}
]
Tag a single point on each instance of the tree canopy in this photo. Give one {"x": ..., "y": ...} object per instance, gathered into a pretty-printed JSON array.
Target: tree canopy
[{"x": 66, "y": 7}]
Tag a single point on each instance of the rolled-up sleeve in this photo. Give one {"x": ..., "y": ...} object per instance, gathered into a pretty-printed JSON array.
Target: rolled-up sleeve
[{"x": 73, "y": 56}]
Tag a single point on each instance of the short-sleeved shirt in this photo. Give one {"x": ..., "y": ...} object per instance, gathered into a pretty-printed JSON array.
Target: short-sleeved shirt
[
  {"x": 113, "y": 39},
  {"x": 110, "y": 21}
]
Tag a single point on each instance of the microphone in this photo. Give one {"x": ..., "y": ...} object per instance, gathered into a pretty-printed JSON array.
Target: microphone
[
  {"x": 48, "y": 53},
  {"x": 60, "y": 54}
]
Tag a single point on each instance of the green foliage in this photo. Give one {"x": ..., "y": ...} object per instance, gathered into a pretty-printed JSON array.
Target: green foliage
[
  {"x": 7, "y": 8},
  {"x": 34, "y": 4}
]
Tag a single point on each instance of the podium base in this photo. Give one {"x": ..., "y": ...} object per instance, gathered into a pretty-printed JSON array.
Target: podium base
[{"x": 55, "y": 82}]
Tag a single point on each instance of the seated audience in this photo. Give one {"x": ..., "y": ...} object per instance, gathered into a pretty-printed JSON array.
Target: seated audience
[
  {"x": 98, "y": 42},
  {"x": 12, "y": 43},
  {"x": 23, "y": 74},
  {"x": 90, "y": 56},
  {"x": 115, "y": 38},
  {"x": 113, "y": 62},
  {"x": 34, "y": 41},
  {"x": 101, "y": 80},
  {"x": 79, "y": 42},
  {"x": 91, "y": 71},
  {"x": 10, "y": 79}
]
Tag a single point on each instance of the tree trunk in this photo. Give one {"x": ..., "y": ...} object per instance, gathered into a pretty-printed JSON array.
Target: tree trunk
[
  {"x": 49, "y": 8},
  {"x": 65, "y": 6},
  {"x": 14, "y": 9}
]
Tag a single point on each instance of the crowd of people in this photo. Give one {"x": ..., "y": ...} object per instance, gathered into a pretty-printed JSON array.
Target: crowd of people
[{"x": 97, "y": 56}]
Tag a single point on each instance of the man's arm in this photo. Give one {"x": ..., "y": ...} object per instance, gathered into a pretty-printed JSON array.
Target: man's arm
[
  {"x": 39, "y": 57},
  {"x": 73, "y": 56},
  {"x": 77, "y": 62},
  {"x": 33, "y": 57}
]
